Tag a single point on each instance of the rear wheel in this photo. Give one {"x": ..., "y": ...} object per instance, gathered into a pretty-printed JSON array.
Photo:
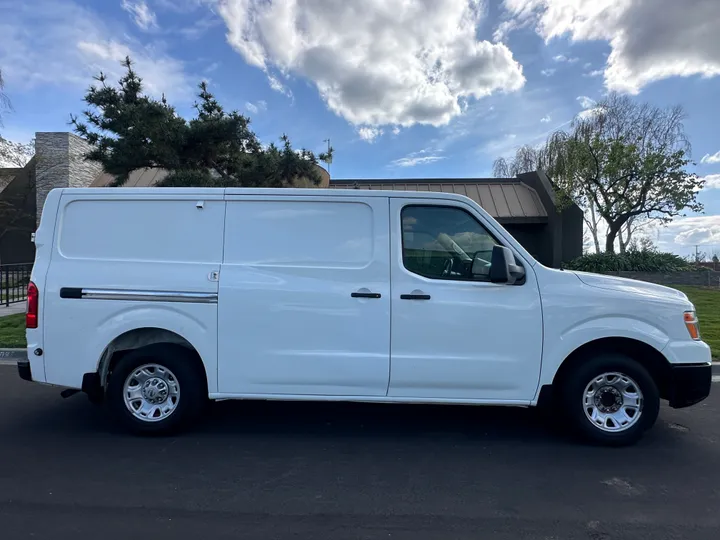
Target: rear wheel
[
  {"x": 610, "y": 399},
  {"x": 156, "y": 389}
]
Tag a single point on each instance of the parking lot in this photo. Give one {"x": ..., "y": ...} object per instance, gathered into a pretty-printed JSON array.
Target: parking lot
[{"x": 283, "y": 470}]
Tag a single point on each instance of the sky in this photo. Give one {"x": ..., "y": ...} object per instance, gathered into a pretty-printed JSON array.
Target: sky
[{"x": 401, "y": 88}]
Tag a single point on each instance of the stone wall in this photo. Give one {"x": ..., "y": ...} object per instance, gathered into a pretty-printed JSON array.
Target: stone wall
[
  {"x": 60, "y": 163},
  {"x": 700, "y": 278},
  {"x": 82, "y": 171}
]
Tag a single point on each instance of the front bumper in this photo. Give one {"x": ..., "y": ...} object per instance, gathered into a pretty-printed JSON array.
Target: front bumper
[
  {"x": 24, "y": 370},
  {"x": 689, "y": 384}
]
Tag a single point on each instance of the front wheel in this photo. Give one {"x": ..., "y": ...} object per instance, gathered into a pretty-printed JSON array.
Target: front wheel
[{"x": 610, "y": 400}]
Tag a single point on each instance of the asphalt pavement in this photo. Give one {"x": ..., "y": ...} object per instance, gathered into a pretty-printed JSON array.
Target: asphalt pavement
[{"x": 276, "y": 470}]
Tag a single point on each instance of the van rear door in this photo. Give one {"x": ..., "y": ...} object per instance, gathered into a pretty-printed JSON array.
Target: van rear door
[
  {"x": 125, "y": 259},
  {"x": 304, "y": 303}
]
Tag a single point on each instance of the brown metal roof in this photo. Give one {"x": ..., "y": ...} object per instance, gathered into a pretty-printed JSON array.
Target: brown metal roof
[
  {"x": 138, "y": 178},
  {"x": 504, "y": 199}
]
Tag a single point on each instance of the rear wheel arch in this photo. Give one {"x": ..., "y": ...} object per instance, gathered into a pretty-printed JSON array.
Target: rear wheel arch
[{"x": 142, "y": 338}]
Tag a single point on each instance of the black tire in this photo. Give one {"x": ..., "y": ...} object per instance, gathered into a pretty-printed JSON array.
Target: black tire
[
  {"x": 572, "y": 393},
  {"x": 184, "y": 369}
]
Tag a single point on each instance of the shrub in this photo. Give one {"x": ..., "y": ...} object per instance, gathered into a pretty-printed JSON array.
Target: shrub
[{"x": 637, "y": 261}]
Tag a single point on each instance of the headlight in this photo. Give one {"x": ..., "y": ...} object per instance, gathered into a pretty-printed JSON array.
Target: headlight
[{"x": 691, "y": 323}]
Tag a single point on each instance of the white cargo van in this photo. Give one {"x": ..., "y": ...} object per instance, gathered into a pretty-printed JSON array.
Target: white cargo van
[{"x": 154, "y": 300}]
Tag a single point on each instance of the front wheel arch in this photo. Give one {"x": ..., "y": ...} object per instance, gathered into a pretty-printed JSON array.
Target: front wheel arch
[{"x": 646, "y": 355}]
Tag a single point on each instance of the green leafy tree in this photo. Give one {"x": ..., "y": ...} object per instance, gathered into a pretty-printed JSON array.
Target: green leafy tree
[
  {"x": 624, "y": 161},
  {"x": 130, "y": 130},
  {"x": 545, "y": 158}
]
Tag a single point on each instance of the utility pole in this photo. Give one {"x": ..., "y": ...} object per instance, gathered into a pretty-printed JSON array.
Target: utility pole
[{"x": 330, "y": 160}]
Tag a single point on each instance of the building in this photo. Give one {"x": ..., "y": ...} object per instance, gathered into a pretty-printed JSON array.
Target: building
[{"x": 526, "y": 206}]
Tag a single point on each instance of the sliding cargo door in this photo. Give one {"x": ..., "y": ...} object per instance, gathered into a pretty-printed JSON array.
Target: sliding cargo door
[{"x": 304, "y": 304}]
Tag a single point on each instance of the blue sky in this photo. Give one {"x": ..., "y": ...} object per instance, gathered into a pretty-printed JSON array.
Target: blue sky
[{"x": 403, "y": 88}]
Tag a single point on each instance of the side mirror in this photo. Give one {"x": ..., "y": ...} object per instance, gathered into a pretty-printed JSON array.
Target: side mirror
[{"x": 503, "y": 268}]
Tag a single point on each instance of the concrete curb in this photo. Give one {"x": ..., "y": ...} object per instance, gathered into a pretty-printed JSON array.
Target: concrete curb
[{"x": 11, "y": 356}]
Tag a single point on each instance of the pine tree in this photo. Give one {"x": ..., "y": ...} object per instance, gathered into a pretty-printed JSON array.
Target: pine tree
[{"x": 130, "y": 130}]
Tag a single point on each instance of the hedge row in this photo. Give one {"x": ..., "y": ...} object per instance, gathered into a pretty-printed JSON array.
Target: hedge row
[{"x": 630, "y": 261}]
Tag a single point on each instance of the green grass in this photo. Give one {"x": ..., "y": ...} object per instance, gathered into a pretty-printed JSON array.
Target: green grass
[
  {"x": 12, "y": 331},
  {"x": 707, "y": 305}
]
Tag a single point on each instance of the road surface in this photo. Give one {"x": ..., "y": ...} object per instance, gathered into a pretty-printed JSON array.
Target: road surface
[{"x": 336, "y": 471}]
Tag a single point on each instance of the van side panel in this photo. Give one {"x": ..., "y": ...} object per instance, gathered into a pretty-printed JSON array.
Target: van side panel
[{"x": 123, "y": 262}]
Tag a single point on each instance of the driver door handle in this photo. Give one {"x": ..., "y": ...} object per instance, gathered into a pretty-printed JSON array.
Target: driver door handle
[
  {"x": 414, "y": 296},
  {"x": 365, "y": 295}
]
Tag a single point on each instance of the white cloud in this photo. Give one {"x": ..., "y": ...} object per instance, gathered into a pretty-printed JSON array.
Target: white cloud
[
  {"x": 161, "y": 74},
  {"x": 421, "y": 157},
  {"x": 712, "y": 181},
  {"x": 503, "y": 29},
  {"x": 256, "y": 107},
  {"x": 586, "y": 102},
  {"x": 413, "y": 161},
  {"x": 688, "y": 231},
  {"x": 545, "y": 119},
  {"x": 563, "y": 58},
  {"x": 143, "y": 16},
  {"x": 395, "y": 130},
  {"x": 711, "y": 158},
  {"x": 594, "y": 73},
  {"x": 548, "y": 72},
  {"x": 589, "y": 106},
  {"x": 369, "y": 133},
  {"x": 587, "y": 113},
  {"x": 69, "y": 44},
  {"x": 278, "y": 86},
  {"x": 649, "y": 40},
  {"x": 399, "y": 62}
]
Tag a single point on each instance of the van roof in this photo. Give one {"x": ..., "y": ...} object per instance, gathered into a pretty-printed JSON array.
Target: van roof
[{"x": 270, "y": 192}]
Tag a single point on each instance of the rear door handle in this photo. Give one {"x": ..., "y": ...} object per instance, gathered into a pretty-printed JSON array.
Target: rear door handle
[
  {"x": 366, "y": 295},
  {"x": 414, "y": 297}
]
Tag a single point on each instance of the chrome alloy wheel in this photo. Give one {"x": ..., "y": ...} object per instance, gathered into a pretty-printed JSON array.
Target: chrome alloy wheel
[
  {"x": 613, "y": 402},
  {"x": 151, "y": 393}
]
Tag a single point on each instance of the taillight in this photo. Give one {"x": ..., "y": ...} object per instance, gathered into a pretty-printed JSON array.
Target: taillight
[{"x": 31, "y": 316}]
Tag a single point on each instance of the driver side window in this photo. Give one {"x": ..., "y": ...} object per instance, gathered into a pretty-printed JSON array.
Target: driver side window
[{"x": 441, "y": 242}]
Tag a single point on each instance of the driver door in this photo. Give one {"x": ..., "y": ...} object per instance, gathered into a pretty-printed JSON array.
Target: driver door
[{"x": 454, "y": 334}]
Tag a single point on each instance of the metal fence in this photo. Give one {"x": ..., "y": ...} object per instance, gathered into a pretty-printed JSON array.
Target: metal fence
[{"x": 13, "y": 282}]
